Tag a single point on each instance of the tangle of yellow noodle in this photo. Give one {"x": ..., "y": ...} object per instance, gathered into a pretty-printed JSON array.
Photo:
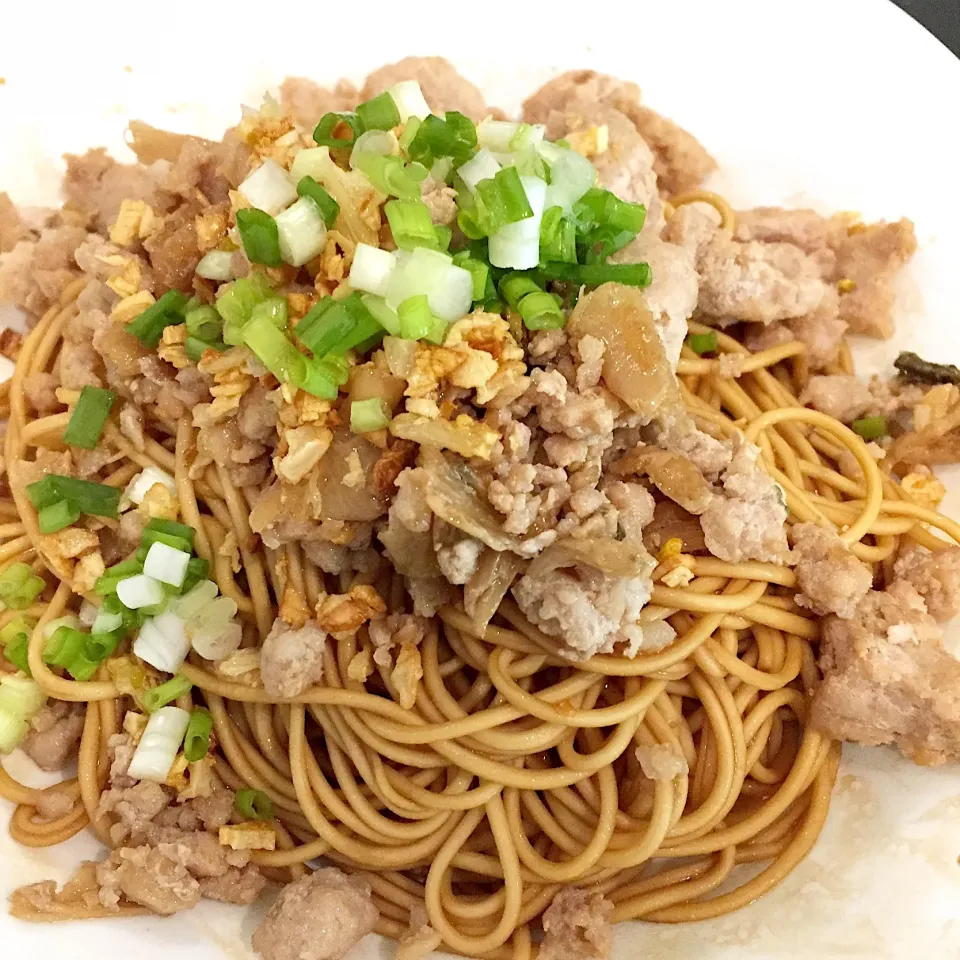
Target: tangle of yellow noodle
[{"x": 516, "y": 770}]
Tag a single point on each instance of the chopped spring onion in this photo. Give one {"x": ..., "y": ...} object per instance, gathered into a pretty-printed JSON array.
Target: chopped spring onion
[
  {"x": 197, "y": 570},
  {"x": 870, "y": 428},
  {"x": 517, "y": 244},
  {"x": 448, "y": 288},
  {"x": 477, "y": 269},
  {"x": 273, "y": 348},
  {"x": 20, "y": 586},
  {"x": 503, "y": 136},
  {"x": 16, "y": 651},
  {"x": 482, "y": 166},
  {"x": 163, "y": 642},
  {"x": 630, "y": 274},
  {"x": 158, "y": 527},
  {"x": 701, "y": 343},
  {"x": 338, "y": 130},
  {"x": 13, "y": 728},
  {"x": 369, "y": 415},
  {"x": 302, "y": 232},
  {"x": 157, "y": 697},
  {"x": 411, "y": 225},
  {"x": 167, "y": 311},
  {"x": 371, "y": 269},
  {"x": 99, "y": 646},
  {"x": 558, "y": 236},
  {"x": 106, "y": 584},
  {"x": 260, "y": 235},
  {"x": 95, "y": 498},
  {"x": 20, "y": 695},
  {"x": 269, "y": 188},
  {"x": 216, "y": 265},
  {"x": 391, "y": 175},
  {"x": 166, "y": 564},
  {"x": 416, "y": 321},
  {"x": 329, "y": 208},
  {"x": 273, "y": 309},
  {"x": 196, "y": 741},
  {"x": 254, "y": 804},
  {"x": 540, "y": 311},
  {"x": 503, "y": 199},
  {"x": 571, "y": 176},
  {"x": 106, "y": 622},
  {"x": 20, "y": 624},
  {"x": 454, "y": 136},
  {"x": 204, "y": 323},
  {"x": 67, "y": 648},
  {"x": 213, "y": 632},
  {"x": 140, "y": 485},
  {"x": 235, "y": 304},
  {"x": 88, "y": 417},
  {"x": 410, "y": 100},
  {"x": 380, "y": 142},
  {"x": 600, "y": 242},
  {"x": 383, "y": 314},
  {"x": 88, "y": 613},
  {"x": 380, "y": 113},
  {"x": 607, "y": 209},
  {"x": 159, "y": 744},
  {"x": 140, "y": 591},
  {"x": 338, "y": 326},
  {"x": 57, "y": 516},
  {"x": 515, "y": 286},
  {"x": 195, "y": 348}
]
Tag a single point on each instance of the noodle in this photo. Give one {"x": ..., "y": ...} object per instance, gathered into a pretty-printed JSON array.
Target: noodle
[{"x": 515, "y": 770}]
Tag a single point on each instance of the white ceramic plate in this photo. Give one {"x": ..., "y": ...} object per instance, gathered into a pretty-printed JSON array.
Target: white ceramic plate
[{"x": 833, "y": 105}]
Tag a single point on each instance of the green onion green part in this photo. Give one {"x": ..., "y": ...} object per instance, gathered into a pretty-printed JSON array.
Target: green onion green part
[
  {"x": 196, "y": 741},
  {"x": 329, "y": 208},
  {"x": 328, "y": 132},
  {"x": 260, "y": 237},
  {"x": 157, "y": 697},
  {"x": 369, "y": 415},
  {"x": 19, "y": 586},
  {"x": 870, "y": 428},
  {"x": 701, "y": 343},
  {"x": 90, "y": 497},
  {"x": 254, "y": 804},
  {"x": 57, "y": 516},
  {"x": 416, "y": 320},
  {"x": 88, "y": 417},
  {"x": 380, "y": 113},
  {"x": 167, "y": 311}
]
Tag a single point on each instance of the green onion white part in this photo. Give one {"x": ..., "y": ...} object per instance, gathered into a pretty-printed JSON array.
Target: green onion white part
[
  {"x": 214, "y": 632},
  {"x": 71, "y": 620},
  {"x": 159, "y": 745},
  {"x": 163, "y": 642},
  {"x": 269, "y": 188},
  {"x": 410, "y": 100},
  {"x": 517, "y": 245},
  {"x": 448, "y": 288},
  {"x": 88, "y": 613},
  {"x": 504, "y": 136},
  {"x": 382, "y": 142},
  {"x": 571, "y": 176},
  {"x": 216, "y": 265},
  {"x": 166, "y": 564},
  {"x": 371, "y": 269},
  {"x": 106, "y": 622},
  {"x": 140, "y": 591},
  {"x": 302, "y": 232},
  {"x": 482, "y": 166},
  {"x": 21, "y": 699},
  {"x": 138, "y": 487}
]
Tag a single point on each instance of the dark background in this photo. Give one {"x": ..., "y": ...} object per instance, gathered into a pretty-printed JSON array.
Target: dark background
[{"x": 940, "y": 17}]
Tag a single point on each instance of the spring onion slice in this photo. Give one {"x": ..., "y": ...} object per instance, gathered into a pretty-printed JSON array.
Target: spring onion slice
[
  {"x": 167, "y": 311},
  {"x": 369, "y": 415},
  {"x": 195, "y": 349},
  {"x": 329, "y": 208},
  {"x": 870, "y": 428},
  {"x": 157, "y": 697},
  {"x": 416, "y": 320},
  {"x": 90, "y": 497},
  {"x": 59, "y": 515},
  {"x": 453, "y": 136},
  {"x": 273, "y": 348},
  {"x": 558, "y": 236},
  {"x": 411, "y": 225},
  {"x": 382, "y": 313},
  {"x": 196, "y": 741},
  {"x": 391, "y": 175},
  {"x": 159, "y": 744},
  {"x": 517, "y": 244},
  {"x": 159, "y": 525},
  {"x": 216, "y": 265},
  {"x": 630, "y": 274},
  {"x": 302, "y": 232},
  {"x": 19, "y": 586},
  {"x": 269, "y": 188},
  {"x": 371, "y": 269},
  {"x": 701, "y": 343},
  {"x": 166, "y": 564},
  {"x": 163, "y": 642},
  {"x": 260, "y": 236},
  {"x": 16, "y": 651},
  {"x": 88, "y": 417},
  {"x": 540, "y": 311},
  {"x": 338, "y": 130},
  {"x": 478, "y": 270},
  {"x": 197, "y": 570},
  {"x": 409, "y": 100},
  {"x": 204, "y": 323},
  {"x": 380, "y": 113},
  {"x": 254, "y": 804}
]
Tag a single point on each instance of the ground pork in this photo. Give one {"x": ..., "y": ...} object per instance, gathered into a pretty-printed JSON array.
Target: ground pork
[
  {"x": 40, "y": 390},
  {"x": 804, "y": 228},
  {"x": 291, "y": 660},
  {"x": 589, "y": 611},
  {"x": 458, "y": 560},
  {"x": 174, "y": 249},
  {"x": 146, "y": 876},
  {"x": 871, "y": 258},
  {"x": 35, "y": 273},
  {"x": 419, "y": 940},
  {"x": 576, "y": 926},
  {"x": 831, "y": 578},
  {"x": 318, "y": 917},
  {"x": 888, "y": 678},
  {"x": 935, "y": 576},
  {"x": 13, "y": 228},
  {"x": 680, "y": 161},
  {"x": 672, "y": 295},
  {"x": 840, "y": 396},
  {"x": 54, "y": 734},
  {"x": 635, "y": 506},
  {"x": 441, "y": 201},
  {"x": 709, "y": 455},
  {"x": 747, "y": 523},
  {"x": 305, "y": 102},
  {"x": 755, "y": 282},
  {"x": 443, "y": 88}
]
